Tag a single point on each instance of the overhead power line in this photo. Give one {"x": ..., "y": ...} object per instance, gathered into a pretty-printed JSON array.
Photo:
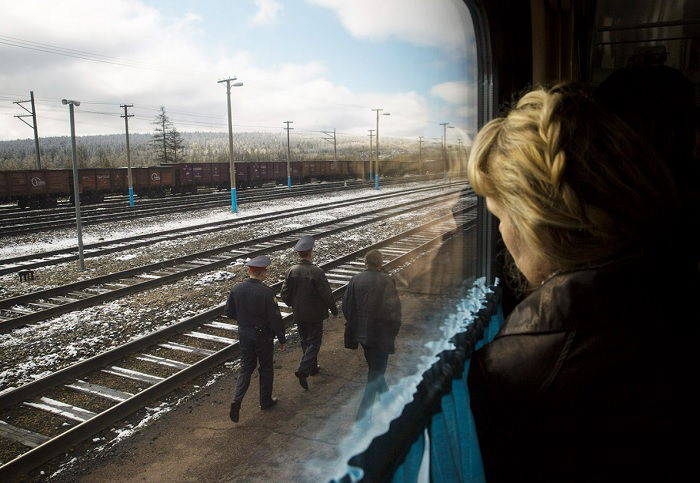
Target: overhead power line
[{"x": 79, "y": 54}]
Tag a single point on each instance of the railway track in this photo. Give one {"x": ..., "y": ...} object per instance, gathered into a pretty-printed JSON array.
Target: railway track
[
  {"x": 78, "y": 401},
  {"x": 121, "y": 205},
  {"x": 23, "y": 223},
  {"x": 37, "y": 306},
  {"x": 55, "y": 257}
]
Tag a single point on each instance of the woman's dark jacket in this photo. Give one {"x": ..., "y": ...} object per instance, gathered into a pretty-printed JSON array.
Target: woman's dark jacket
[
  {"x": 372, "y": 309},
  {"x": 592, "y": 378}
]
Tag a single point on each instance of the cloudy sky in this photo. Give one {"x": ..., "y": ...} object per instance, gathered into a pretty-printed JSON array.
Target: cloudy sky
[{"x": 320, "y": 63}]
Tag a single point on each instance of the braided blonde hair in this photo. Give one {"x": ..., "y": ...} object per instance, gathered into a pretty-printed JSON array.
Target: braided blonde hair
[{"x": 578, "y": 184}]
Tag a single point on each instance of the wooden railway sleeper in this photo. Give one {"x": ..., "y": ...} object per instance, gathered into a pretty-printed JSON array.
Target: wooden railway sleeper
[
  {"x": 43, "y": 305},
  {"x": 222, "y": 325},
  {"x": 161, "y": 273},
  {"x": 133, "y": 375},
  {"x": 171, "y": 363},
  {"x": 96, "y": 290},
  {"x": 188, "y": 265},
  {"x": 168, "y": 270},
  {"x": 210, "y": 337},
  {"x": 98, "y": 390},
  {"x": 62, "y": 300},
  {"x": 116, "y": 285},
  {"x": 22, "y": 310},
  {"x": 22, "y": 436},
  {"x": 61, "y": 409},
  {"x": 186, "y": 348}
]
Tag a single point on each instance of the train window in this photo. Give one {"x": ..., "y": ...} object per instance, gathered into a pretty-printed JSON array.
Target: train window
[{"x": 380, "y": 96}]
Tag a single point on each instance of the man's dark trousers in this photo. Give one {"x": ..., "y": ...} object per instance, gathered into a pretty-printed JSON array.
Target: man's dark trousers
[
  {"x": 311, "y": 334},
  {"x": 377, "y": 361},
  {"x": 256, "y": 348}
]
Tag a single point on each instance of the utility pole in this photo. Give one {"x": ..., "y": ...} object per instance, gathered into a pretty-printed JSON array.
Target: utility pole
[
  {"x": 459, "y": 156},
  {"x": 165, "y": 137},
  {"x": 76, "y": 182},
  {"x": 376, "y": 159},
  {"x": 33, "y": 125},
  {"x": 126, "y": 117},
  {"x": 289, "y": 169},
  {"x": 331, "y": 139},
  {"x": 376, "y": 166},
  {"x": 232, "y": 168},
  {"x": 420, "y": 155},
  {"x": 371, "y": 135},
  {"x": 444, "y": 145}
]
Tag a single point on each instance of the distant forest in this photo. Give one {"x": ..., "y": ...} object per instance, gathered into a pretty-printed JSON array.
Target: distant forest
[{"x": 109, "y": 151}]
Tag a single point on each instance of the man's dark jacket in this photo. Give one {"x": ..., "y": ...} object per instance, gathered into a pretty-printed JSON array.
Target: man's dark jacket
[
  {"x": 253, "y": 305},
  {"x": 592, "y": 378},
  {"x": 372, "y": 309},
  {"x": 307, "y": 291}
]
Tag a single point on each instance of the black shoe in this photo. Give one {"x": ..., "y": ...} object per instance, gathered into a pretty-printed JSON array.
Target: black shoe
[
  {"x": 233, "y": 413},
  {"x": 315, "y": 371},
  {"x": 269, "y": 404},
  {"x": 302, "y": 380}
]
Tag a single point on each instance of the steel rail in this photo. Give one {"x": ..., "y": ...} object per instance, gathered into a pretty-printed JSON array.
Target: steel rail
[
  {"x": 54, "y": 257},
  {"x": 427, "y": 236},
  {"x": 86, "y": 293},
  {"x": 121, "y": 201},
  {"x": 148, "y": 211},
  {"x": 53, "y": 214},
  {"x": 143, "y": 212}
]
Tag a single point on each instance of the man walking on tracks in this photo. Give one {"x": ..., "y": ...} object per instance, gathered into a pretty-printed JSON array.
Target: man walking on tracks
[
  {"x": 308, "y": 292},
  {"x": 254, "y": 306},
  {"x": 372, "y": 308}
]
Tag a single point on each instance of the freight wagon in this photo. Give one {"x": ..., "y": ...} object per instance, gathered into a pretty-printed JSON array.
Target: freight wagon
[
  {"x": 35, "y": 188},
  {"x": 152, "y": 182},
  {"x": 190, "y": 176}
]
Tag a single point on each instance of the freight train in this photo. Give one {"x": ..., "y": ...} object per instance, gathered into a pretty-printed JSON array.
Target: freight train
[{"x": 42, "y": 188}]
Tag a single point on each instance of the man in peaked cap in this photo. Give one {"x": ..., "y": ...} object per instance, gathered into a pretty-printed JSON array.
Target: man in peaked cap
[
  {"x": 307, "y": 291},
  {"x": 253, "y": 305}
]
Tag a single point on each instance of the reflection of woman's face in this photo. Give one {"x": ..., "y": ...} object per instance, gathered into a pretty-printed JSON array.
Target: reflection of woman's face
[{"x": 527, "y": 262}]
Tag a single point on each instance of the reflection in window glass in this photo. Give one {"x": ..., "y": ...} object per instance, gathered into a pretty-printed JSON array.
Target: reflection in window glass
[{"x": 376, "y": 97}]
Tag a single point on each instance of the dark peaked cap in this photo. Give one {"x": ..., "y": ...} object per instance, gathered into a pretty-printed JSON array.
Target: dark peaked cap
[
  {"x": 304, "y": 244},
  {"x": 261, "y": 262}
]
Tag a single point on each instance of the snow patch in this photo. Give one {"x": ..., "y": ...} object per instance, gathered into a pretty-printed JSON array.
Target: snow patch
[{"x": 218, "y": 276}]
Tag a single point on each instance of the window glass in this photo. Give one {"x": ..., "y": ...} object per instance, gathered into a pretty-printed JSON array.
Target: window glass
[{"x": 293, "y": 92}]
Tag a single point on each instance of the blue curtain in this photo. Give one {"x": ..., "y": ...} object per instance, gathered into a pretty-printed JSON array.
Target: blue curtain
[
  {"x": 434, "y": 438},
  {"x": 454, "y": 449}
]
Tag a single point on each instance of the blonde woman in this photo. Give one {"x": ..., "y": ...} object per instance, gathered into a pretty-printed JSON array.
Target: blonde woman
[{"x": 590, "y": 377}]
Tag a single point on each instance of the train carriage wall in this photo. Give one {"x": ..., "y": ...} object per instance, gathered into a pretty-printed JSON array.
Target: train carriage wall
[
  {"x": 153, "y": 181},
  {"x": 220, "y": 175},
  {"x": 36, "y": 183},
  {"x": 94, "y": 183},
  {"x": 244, "y": 174},
  {"x": 201, "y": 174}
]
